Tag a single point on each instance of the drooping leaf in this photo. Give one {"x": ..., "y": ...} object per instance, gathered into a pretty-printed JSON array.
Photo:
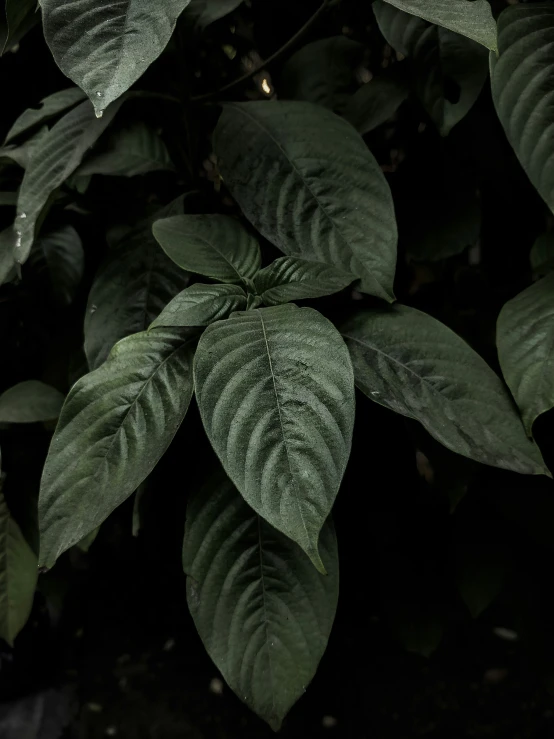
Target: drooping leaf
[
  {"x": 60, "y": 253},
  {"x": 18, "y": 576},
  {"x": 58, "y": 156},
  {"x": 322, "y": 72},
  {"x": 204, "y": 12},
  {"x": 131, "y": 289},
  {"x": 375, "y": 102},
  {"x": 450, "y": 70},
  {"x": 415, "y": 365},
  {"x": 542, "y": 255},
  {"x": 471, "y": 18},
  {"x": 30, "y": 402},
  {"x": 22, "y": 153},
  {"x": 104, "y": 48},
  {"x": 306, "y": 180},
  {"x": 200, "y": 305},
  {"x": 276, "y": 395},
  {"x": 131, "y": 151},
  {"x": 115, "y": 425},
  {"x": 49, "y": 108},
  {"x": 21, "y": 16},
  {"x": 214, "y": 246},
  {"x": 525, "y": 341},
  {"x": 262, "y": 611},
  {"x": 523, "y": 89},
  {"x": 288, "y": 279}
]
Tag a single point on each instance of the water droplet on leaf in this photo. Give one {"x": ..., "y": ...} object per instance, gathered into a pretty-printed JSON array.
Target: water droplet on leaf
[{"x": 99, "y": 113}]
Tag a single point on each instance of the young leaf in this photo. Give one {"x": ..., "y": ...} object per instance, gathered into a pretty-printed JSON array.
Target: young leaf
[
  {"x": 307, "y": 182},
  {"x": 21, "y": 16},
  {"x": 414, "y": 365},
  {"x": 525, "y": 340},
  {"x": 50, "y": 107},
  {"x": 30, "y": 402},
  {"x": 275, "y": 391},
  {"x": 115, "y": 425},
  {"x": 450, "y": 70},
  {"x": 200, "y": 305},
  {"x": 471, "y": 18},
  {"x": 322, "y": 72},
  {"x": 375, "y": 102},
  {"x": 542, "y": 255},
  {"x": 214, "y": 246},
  {"x": 204, "y": 12},
  {"x": 523, "y": 87},
  {"x": 131, "y": 289},
  {"x": 262, "y": 611},
  {"x": 18, "y": 576},
  {"x": 58, "y": 156},
  {"x": 288, "y": 279},
  {"x": 60, "y": 253},
  {"x": 104, "y": 48},
  {"x": 129, "y": 152}
]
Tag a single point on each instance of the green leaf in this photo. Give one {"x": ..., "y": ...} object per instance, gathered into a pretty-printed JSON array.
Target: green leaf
[
  {"x": 7, "y": 265},
  {"x": 525, "y": 340},
  {"x": 129, "y": 152},
  {"x": 58, "y": 156},
  {"x": 307, "y": 182},
  {"x": 471, "y": 18},
  {"x": 542, "y": 255},
  {"x": 262, "y": 611},
  {"x": 8, "y": 198},
  {"x": 18, "y": 576},
  {"x": 30, "y": 402},
  {"x": 523, "y": 87},
  {"x": 104, "y": 48},
  {"x": 115, "y": 425},
  {"x": 275, "y": 391},
  {"x": 288, "y": 279},
  {"x": 204, "y": 12},
  {"x": 21, "y": 154},
  {"x": 49, "y": 108},
  {"x": 322, "y": 72},
  {"x": 130, "y": 290},
  {"x": 375, "y": 102},
  {"x": 200, "y": 305},
  {"x": 21, "y": 16},
  {"x": 414, "y": 365},
  {"x": 85, "y": 544},
  {"x": 450, "y": 70},
  {"x": 60, "y": 253},
  {"x": 215, "y": 246}
]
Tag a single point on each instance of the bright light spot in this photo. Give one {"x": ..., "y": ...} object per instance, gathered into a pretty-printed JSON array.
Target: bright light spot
[{"x": 266, "y": 87}]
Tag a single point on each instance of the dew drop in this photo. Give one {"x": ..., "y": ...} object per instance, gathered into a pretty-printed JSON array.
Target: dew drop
[
  {"x": 18, "y": 239},
  {"x": 99, "y": 94},
  {"x": 99, "y": 113},
  {"x": 22, "y": 216},
  {"x": 93, "y": 310}
]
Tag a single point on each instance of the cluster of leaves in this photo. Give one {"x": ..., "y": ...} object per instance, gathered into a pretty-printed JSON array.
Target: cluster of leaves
[{"x": 274, "y": 383}]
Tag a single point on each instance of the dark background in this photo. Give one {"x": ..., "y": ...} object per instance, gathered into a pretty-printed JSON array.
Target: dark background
[{"x": 425, "y": 536}]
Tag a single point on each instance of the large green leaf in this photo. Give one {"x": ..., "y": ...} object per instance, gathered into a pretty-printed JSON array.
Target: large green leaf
[
  {"x": 525, "y": 340},
  {"x": 414, "y": 365},
  {"x": 50, "y": 107},
  {"x": 61, "y": 255},
  {"x": 18, "y": 576},
  {"x": 131, "y": 151},
  {"x": 275, "y": 391},
  {"x": 215, "y": 246},
  {"x": 21, "y": 16},
  {"x": 322, "y": 72},
  {"x": 58, "y": 156},
  {"x": 308, "y": 183},
  {"x": 30, "y": 402},
  {"x": 115, "y": 425},
  {"x": 375, "y": 102},
  {"x": 105, "y": 47},
  {"x": 450, "y": 70},
  {"x": 471, "y": 18},
  {"x": 130, "y": 290},
  {"x": 523, "y": 89},
  {"x": 204, "y": 12},
  {"x": 200, "y": 305},
  {"x": 261, "y": 609},
  {"x": 288, "y": 279}
]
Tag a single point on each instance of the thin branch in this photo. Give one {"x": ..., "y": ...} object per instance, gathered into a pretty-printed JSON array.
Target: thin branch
[{"x": 269, "y": 60}]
